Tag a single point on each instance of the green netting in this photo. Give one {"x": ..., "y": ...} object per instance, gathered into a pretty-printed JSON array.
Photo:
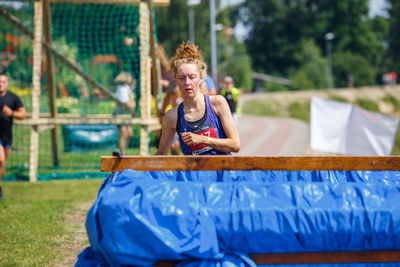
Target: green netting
[
  {"x": 16, "y": 47},
  {"x": 100, "y": 39},
  {"x": 105, "y": 42}
]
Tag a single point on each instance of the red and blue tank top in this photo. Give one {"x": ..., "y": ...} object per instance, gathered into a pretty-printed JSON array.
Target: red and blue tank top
[{"x": 209, "y": 125}]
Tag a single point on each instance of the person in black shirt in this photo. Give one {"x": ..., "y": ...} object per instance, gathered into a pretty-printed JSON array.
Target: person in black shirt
[{"x": 11, "y": 107}]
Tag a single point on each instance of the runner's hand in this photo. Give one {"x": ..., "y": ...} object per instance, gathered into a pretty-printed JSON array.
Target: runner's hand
[{"x": 191, "y": 139}]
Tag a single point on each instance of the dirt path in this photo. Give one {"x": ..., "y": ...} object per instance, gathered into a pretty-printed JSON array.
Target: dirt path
[{"x": 76, "y": 240}]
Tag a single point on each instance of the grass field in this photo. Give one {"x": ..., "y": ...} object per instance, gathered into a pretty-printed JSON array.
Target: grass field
[{"x": 34, "y": 220}]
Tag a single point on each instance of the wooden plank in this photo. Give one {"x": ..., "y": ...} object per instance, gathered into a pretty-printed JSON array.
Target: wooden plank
[
  {"x": 266, "y": 77},
  {"x": 145, "y": 76},
  {"x": 191, "y": 163},
  {"x": 154, "y": 65},
  {"x": 89, "y": 116},
  {"x": 51, "y": 80},
  {"x": 36, "y": 73},
  {"x": 316, "y": 257},
  {"x": 110, "y": 2},
  {"x": 83, "y": 120},
  {"x": 327, "y": 257}
]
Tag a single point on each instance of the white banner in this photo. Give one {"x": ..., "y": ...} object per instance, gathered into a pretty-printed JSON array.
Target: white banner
[{"x": 343, "y": 128}]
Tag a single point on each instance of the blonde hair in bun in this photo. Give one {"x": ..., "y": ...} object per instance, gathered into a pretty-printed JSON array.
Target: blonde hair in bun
[{"x": 188, "y": 53}]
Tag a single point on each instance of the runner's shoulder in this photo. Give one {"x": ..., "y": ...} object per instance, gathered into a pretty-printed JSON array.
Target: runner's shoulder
[
  {"x": 217, "y": 100},
  {"x": 171, "y": 115}
]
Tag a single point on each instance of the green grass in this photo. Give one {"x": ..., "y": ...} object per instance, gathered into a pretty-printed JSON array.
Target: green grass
[
  {"x": 392, "y": 100},
  {"x": 300, "y": 111},
  {"x": 266, "y": 108},
  {"x": 367, "y": 104},
  {"x": 396, "y": 147},
  {"x": 337, "y": 98},
  {"x": 261, "y": 108},
  {"x": 32, "y": 219}
]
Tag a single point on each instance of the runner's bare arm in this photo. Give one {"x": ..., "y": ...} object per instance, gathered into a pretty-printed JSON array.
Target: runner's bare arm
[
  {"x": 168, "y": 131},
  {"x": 18, "y": 114},
  {"x": 229, "y": 144}
]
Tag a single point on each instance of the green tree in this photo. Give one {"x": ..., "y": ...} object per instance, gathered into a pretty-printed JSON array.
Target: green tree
[
  {"x": 232, "y": 55},
  {"x": 380, "y": 25},
  {"x": 354, "y": 33},
  {"x": 277, "y": 28},
  {"x": 173, "y": 26},
  {"x": 394, "y": 36},
  {"x": 348, "y": 20},
  {"x": 239, "y": 67},
  {"x": 233, "y": 59},
  {"x": 312, "y": 70},
  {"x": 350, "y": 63}
]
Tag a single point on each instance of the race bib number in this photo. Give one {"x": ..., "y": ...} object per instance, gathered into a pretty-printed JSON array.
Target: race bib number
[{"x": 207, "y": 130}]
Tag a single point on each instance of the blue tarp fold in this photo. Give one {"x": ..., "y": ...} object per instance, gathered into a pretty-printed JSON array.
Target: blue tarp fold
[{"x": 217, "y": 218}]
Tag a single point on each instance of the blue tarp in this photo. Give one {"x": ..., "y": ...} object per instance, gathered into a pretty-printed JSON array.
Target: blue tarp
[
  {"x": 79, "y": 138},
  {"x": 217, "y": 218}
]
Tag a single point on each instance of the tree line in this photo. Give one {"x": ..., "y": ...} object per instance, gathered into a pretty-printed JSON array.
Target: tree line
[{"x": 287, "y": 38}]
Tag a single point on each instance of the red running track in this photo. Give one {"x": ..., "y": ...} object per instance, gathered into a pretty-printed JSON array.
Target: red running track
[{"x": 266, "y": 136}]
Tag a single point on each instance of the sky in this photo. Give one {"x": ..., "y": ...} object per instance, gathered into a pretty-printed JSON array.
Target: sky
[{"x": 377, "y": 7}]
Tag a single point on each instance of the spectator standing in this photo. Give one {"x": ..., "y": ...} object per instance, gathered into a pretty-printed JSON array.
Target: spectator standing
[
  {"x": 124, "y": 106},
  {"x": 209, "y": 86},
  {"x": 350, "y": 80},
  {"x": 386, "y": 79},
  {"x": 393, "y": 77},
  {"x": 231, "y": 95},
  {"x": 11, "y": 107}
]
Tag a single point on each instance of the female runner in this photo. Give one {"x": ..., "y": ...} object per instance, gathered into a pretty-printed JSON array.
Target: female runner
[{"x": 204, "y": 123}]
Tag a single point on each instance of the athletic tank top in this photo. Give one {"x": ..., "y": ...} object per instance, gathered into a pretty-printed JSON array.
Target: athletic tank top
[{"x": 209, "y": 125}]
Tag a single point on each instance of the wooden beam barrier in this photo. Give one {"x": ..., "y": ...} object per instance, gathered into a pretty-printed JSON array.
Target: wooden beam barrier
[
  {"x": 36, "y": 73},
  {"x": 51, "y": 80},
  {"x": 110, "y": 2},
  {"x": 327, "y": 257},
  {"x": 194, "y": 163},
  {"x": 89, "y": 120},
  {"x": 332, "y": 257},
  {"x": 164, "y": 3},
  {"x": 91, "y": 116},
  {"x": 145, "y": 76}
]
